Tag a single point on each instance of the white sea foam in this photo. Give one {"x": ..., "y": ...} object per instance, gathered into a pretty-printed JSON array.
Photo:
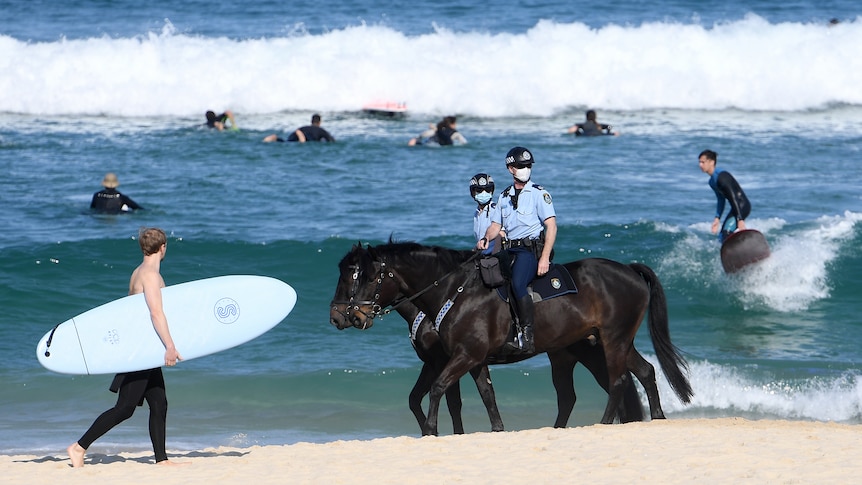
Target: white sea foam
[
  {"x": 748, "y": 64},
  {"x": 797, "y": 272},
  {"x": 732, "y": 390},
  {"x": 795, "y": 275}
]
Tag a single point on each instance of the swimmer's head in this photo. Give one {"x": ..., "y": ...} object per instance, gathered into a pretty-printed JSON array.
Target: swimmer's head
[
  {"x": 110, "y": 181},
  {"x": 211, "y": 116},
  {"x": 591, "y": 115}
]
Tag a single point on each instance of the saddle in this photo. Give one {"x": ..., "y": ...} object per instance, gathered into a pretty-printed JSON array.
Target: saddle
[{"x": 556, "y": 282}]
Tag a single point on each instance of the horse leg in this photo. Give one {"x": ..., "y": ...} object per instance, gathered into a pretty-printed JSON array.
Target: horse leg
[
  {"x": 645, "y": 373},
  {"x": 618, "y": 380},
  {"x": 593, "y": 358},
  {"x": 562, "y": 369},
  {"x": 453, "y": 402},
  {"x": 454, "y": 370},
  {"x": 482, "y": 377},
  {"x": 420, "y": 389}
]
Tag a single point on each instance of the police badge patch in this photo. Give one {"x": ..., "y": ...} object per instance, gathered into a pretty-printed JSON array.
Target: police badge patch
[
  {"x": 556, "y": 283},
  {"x": 547, "y": 198}
]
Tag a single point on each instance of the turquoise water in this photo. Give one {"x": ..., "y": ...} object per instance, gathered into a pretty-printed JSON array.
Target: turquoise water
[{"x": 125, "y": 93}]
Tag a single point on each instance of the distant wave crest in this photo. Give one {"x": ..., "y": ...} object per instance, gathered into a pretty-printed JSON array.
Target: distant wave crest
[{"x": 748, "y": 64}]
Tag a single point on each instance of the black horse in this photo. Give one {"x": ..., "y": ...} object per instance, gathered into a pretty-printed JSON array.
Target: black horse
[
  {"x": 612, "y": 301},
  {"x": 426, "y": 342}
]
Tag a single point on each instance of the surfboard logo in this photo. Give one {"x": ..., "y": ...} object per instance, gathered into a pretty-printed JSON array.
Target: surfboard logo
[
  {"x": 112, "y": 337},
  {"x": 226, "y": 310}
]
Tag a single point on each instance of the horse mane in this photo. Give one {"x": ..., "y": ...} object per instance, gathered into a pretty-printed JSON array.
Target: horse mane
[
  {"x": 413, "y": 253},
  {"x": 407, "y": 252}
]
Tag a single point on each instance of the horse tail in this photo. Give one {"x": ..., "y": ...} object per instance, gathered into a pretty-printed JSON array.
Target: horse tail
[{"x": 669, "y": 356}]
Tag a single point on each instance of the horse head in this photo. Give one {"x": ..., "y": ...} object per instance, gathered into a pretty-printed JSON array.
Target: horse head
[{"x": 364, "y": 288}]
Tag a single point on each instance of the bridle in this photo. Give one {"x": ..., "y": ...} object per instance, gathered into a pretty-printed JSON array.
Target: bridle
[{"x": 352, "y": 304}]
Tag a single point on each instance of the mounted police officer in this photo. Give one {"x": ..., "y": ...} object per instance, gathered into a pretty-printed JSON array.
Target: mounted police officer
[
  {"x": 482, "y": 191},
  {"x": 526, "y": 212}
]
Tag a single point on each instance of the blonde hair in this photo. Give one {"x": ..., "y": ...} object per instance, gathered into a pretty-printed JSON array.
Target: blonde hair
[{"x": 151, "y": 239}]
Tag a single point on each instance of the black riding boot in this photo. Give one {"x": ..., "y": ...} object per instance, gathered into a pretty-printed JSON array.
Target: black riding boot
[{"x": 525, "y": 315}]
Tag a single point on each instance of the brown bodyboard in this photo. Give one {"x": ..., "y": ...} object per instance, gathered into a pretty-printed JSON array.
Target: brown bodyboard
[{"x": 743, "y": 248}]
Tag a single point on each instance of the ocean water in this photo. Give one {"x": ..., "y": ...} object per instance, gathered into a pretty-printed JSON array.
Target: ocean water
[{"x": 89, "y": 87}]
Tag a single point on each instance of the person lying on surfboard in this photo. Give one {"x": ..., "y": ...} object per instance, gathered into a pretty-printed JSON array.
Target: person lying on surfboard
[
  {"x": 444, "y": 133},
  {"x": 219, "y": 122},
  {"x": 726, "y": 188},
  {"x": 312, "y": 132},
  {"x": 591, "y": 127}
]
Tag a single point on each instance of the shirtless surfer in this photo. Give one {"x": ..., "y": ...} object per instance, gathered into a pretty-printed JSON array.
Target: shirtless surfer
[{"x": 149, "y": 385}]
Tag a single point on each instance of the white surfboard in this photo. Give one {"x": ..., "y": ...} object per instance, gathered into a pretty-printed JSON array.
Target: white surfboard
[{"x": 204, "y": 316}]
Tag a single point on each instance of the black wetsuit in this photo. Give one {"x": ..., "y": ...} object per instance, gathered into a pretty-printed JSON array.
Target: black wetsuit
[
  {"x": 444, "y": 135},
  {"x": 134, "y": 388},
  {"x": 312, "y": 133},
  {"x": 727, "y": 188},
  {"x": 591, "y": 128},
  {"x": 222, "y": 118},
  {"x": 111, "y": 201}
]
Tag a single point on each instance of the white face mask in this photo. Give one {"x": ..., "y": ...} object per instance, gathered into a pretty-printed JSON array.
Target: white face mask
[
  {"x": 523, "y": 174},
  {"x": 483, "y": 197}
]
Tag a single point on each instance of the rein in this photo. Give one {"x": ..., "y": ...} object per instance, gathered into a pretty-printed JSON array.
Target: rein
[{"x": 379, "y": 311}]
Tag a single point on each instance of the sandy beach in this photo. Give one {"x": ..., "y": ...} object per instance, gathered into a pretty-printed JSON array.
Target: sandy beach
[{"x": 726, "y": 450}]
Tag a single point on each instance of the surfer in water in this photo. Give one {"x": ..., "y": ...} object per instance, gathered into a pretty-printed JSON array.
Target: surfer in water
[
  {"x": 149, "y": 385},
  {"x": 591, "y": 127},
  {"x": 726, "y": 188},
  {"x": 219, "y": 122},
  {"x": 110, "y": 200},
  {"x": 443, "y": 133},
  {"x": 312, "y": 132}
]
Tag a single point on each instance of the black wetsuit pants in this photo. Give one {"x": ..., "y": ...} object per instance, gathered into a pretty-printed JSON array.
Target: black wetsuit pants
[{"x": 134, "y": 388}]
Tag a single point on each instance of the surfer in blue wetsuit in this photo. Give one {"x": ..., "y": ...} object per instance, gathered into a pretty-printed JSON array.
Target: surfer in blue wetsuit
[
  {"x": 136, "y": 387},
  {"x": 219, "y": 122},
  {"x": 312, "y": 132},
  {"x": 110, "y": 200},
  {"x": 726, "y": 188},
  {"x": 591, "y": 127},
  {"x": 443, "y": 134}
]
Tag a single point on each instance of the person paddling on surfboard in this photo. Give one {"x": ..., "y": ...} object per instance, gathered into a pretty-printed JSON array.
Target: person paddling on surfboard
[
  {"x": 219, "y": 122},
  {"x": 726, "y": 188},
  {"x": 591, "y": 127},
  {"x": 312, "y": 132},
  {"x": 149, "y": 385},
  {"x": 444, "y": 133}
]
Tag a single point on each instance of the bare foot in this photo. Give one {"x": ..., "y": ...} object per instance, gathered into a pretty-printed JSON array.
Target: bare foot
[
  {"x": 172, "y": 463},
  {"x": 76, "y": 454}
]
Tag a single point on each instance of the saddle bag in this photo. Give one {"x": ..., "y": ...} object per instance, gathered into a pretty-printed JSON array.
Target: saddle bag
[{"x": 495, "y": 270}]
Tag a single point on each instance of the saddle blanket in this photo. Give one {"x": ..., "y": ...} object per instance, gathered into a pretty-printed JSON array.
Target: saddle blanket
[{"x": 556, "y": 282}]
